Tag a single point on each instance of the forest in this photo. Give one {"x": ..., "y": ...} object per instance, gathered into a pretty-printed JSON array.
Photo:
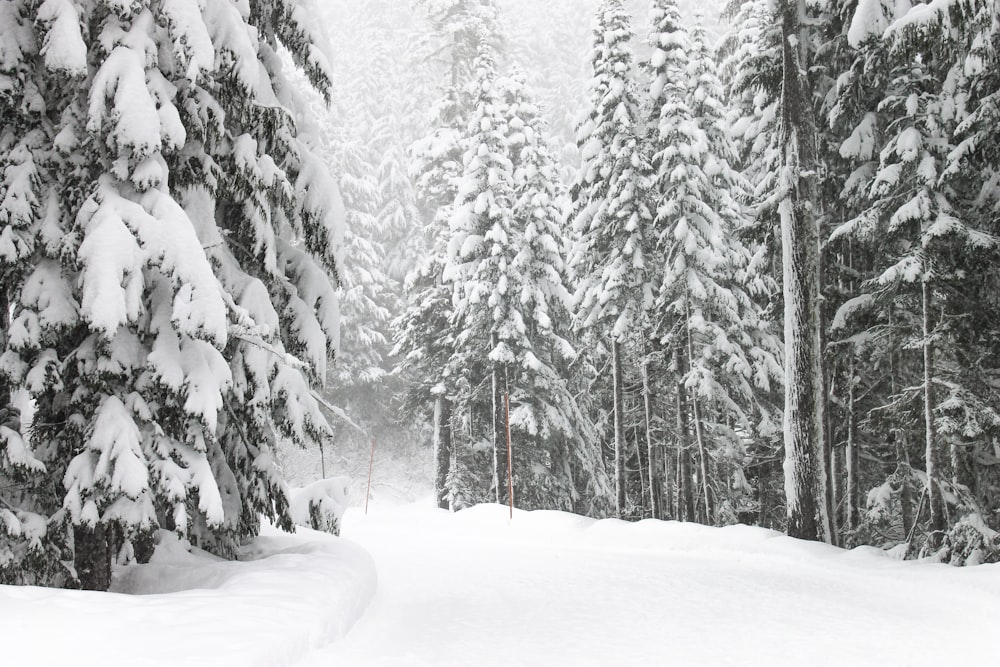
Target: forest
[{"x": 639, "y": 263}]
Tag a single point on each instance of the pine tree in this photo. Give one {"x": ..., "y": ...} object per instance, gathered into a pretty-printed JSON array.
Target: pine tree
[
  {"x": 560, "y": 463},
  {"x": 368, "y": 295},
  {"x": 481, "y": 252},
  {"x": 426, "y": 341},
  {"x": 160, "y": 296},
  {"x": 920, "y": 221},
  {"x": 610, "y": 214},
  {"x": 798, "y": 205},
  {"x": 726, "y": 357}
]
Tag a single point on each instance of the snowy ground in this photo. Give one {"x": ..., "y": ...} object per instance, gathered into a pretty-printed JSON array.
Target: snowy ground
[
  {"x": 545, "y": 589},
  {"x": 555, "y": 589},
  {"x": 291, "y": 595}
]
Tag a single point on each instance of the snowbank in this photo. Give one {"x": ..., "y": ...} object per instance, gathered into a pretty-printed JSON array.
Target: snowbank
[{"x": 288, "y": 594}]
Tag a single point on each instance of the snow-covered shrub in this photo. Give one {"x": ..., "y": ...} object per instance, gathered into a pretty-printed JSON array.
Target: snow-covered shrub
[
  {"x": 321, "y": 505},
  {"x": 970, "y": 542}
]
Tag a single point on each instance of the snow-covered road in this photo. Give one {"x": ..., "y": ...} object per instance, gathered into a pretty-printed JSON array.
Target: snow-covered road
[{"x": 473, "y": 589}]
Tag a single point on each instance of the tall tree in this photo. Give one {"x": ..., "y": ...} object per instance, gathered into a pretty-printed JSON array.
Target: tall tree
[
  {"x": 481, "y": 253},
  {"x": 610, "y": 213},
  {"x": 459, "y": 29},
  {"x": 799, "y": 206},
  {"x": 179, "y": 247}
]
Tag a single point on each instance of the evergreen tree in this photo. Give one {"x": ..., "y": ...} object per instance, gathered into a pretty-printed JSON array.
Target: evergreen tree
[
  {"x": 919, "y": 218},
  {"x": 481, "y": 251},
  {"x": 459, "y": 28},
  {"x": 176, "y": 244},
  {"x": 610, "y": 213}
]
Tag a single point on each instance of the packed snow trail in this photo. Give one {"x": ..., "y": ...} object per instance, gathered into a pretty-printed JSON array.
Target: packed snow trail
[{"x": 474, "y": 589}]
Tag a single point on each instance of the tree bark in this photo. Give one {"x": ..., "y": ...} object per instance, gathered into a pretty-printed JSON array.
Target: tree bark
[
  {"x": 656, "y": 470},
  {"x": 699, "y": 437},
  {"x": 498, "y": 377},
  {"x": 92, "y": 557},
  {"x": 442, "y": 450},
  {"x": 934, "y": 501},
  {"x": 619, "y": 416},
  {"x": 685, "y": 492},
  {"x": 638, "y": 463},
  {"x": 669, "y": 484},
  {"x": 805, "y": 484},
  {"x": 851, "y": 512}
]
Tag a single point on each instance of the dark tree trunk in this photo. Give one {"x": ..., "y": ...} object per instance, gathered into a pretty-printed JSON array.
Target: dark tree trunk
[
  {"x": 92, "y": 557},
  {"x": 499, "y": 383},
  {"x": 619, "y": 390},
  {"x": 852, "y": 512},
  {"x": 805, "y": 486},
  {"x": 685, "y": 490},
  {"x": 442, "y": 450},
  {"x": 935, "y": 503},
  {"x": 656, "y": 470},
  {"x": 699, "y": 437},
  {"x": 669, "y": 484}
]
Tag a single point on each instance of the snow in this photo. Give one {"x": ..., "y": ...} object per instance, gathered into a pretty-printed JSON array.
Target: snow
[
  {"x": 545, "y": 588},
  {"x": 288, "y": 594},
  {"x": 63, "y": 48},
  {"x": 550, "y": 588}
]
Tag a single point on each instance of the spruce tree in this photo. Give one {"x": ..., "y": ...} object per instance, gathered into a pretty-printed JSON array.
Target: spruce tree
[
  {"x": 610, "y": 213},
  {"x": 176, "y": 256}
]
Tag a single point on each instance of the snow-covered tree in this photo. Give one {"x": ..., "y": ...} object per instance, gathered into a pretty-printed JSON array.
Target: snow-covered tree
[
  {"x": 481, "y": 251},
  {"x": 178, "y": 252},
  {"x": 922, "y": 219},
  {"x": 610, "y": 211},
  {"x": 460, "y": 30},
  {"x": 707, "y": 313}
]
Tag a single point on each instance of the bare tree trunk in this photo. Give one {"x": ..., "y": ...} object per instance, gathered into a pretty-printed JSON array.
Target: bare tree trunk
[
  {"x": 619, "y": 409},
  {"x": 638, "y": 464},
  {"x": 699, "y": 437},
  {"x": 685, "y": 492},
  {"x": 805, "y": 486},
  {"x": 934, "y": 501},
  {"x": 92, "y": 557},
  {"x": 499, "y": 386},
  {"x": 852, "y": 512},
  {"x": 763, "y": 495},
  {"x": 962, "y": 466},
  {"x": 669, "y": 484},
  {"x": 656, "y": 470},
  {"x": 442, "y": 450},
  {"x": 835, "y": 496},
  {"x": 905, "y": 492}
]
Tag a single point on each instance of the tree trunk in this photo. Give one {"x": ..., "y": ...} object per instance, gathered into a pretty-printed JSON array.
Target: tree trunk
[
  {"x": 905, "y": 492},
  {"x": 764, "y": 497},
  {"x": 962, "y": 466},
  {"x": 685, "y": 492},
  {"x": 499, "y": 381},
  {"x": 851, "y": 512},
  {"x": 805, "y": 486},
  {"x": 619, "y": 409},
  {"x": 656, "y": 470},
  {"x": 835, "y": 465},
  {"x": 699, "y": 437},
  {"x": 638, "y": 464},
  {"x": 92, "y": 557},
  {"x": 442, "y": 450},
  {"x": 934, "y": 501},
  {"x": 669, "y": 484}
]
